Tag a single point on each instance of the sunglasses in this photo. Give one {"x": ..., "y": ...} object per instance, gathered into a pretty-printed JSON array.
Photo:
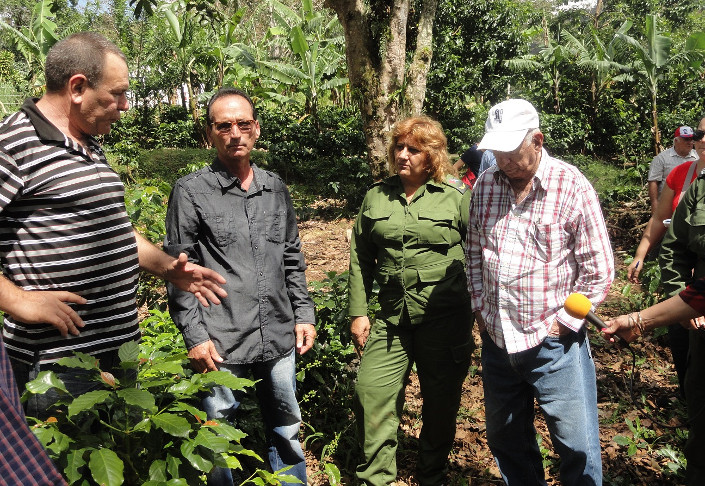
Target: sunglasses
[
  {"x": 244, "y": 126},
  {"x": 698, "y": 135}
]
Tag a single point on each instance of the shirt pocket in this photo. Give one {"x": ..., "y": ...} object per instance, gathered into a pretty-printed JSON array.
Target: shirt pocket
[
  {"x": 382, "y": 227},
  {"x": 223, "y": 227},
  {"x": 548, "y": 240},
  {"x": 696, "y": 238},
  {"x": 275, "y": 222},
  {"x": 436, "y": 226}
]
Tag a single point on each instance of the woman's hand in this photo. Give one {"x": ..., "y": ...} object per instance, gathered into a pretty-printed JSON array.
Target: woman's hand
[
  {"x": 360, "y": 330},
  {"x": 634, "y": 269},
  {"x": 694, "y": 324},
  {"x": 621, "y": 327}
]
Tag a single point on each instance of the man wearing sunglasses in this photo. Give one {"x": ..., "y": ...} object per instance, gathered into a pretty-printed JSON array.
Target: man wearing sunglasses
[{"x": 239, "y": 220}]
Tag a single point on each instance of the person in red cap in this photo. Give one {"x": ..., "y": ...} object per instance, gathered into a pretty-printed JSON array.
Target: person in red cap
[{"x": 663, "y": 163}]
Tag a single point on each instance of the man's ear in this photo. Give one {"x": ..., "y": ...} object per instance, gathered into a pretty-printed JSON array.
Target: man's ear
[
  {"x": 537, "y": 140},
  {"x": 77, "y": 85}
]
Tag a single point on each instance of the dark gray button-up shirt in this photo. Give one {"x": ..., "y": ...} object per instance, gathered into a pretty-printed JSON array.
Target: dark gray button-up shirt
[{"x": 251, "y": 238}]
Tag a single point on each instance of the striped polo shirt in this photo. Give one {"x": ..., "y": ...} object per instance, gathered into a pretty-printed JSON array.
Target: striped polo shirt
[{"x": 63, "y": 226}]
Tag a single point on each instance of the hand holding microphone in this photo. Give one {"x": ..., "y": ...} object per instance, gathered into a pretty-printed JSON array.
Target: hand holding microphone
[{"x": 578, "y": 306}]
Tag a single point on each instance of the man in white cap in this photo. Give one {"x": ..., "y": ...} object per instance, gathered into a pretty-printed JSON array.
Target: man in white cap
[
  {"x": 682, "y": 151},
  {"x": 536, "y": 234}
]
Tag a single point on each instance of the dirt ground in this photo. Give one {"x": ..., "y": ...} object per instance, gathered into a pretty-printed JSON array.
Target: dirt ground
[{"x": 326, "y": 247}]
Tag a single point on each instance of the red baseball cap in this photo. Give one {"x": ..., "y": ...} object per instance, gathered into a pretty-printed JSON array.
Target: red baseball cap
[{"x": 684, "y": 132}]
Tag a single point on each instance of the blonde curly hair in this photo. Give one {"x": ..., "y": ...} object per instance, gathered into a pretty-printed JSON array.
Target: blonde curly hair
[{"x": 428, "y": 135}]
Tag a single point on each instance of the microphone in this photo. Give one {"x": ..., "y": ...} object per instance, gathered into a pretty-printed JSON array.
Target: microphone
[{"x": 578, "y": 306}]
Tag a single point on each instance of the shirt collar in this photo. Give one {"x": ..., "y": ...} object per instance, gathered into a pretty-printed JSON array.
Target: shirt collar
[
  {"x": 227, "y": 180},
  {"x": 48, "y": 132},
  {"x": 395, "y": 181}
]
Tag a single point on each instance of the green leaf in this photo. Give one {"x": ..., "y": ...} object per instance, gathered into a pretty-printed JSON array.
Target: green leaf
[
  {"x": 631, "y": 450},
  {"x": 333, "y": 473},
  {"x": 129, "y": 352},
  {"x": 45, "y": 381},
  {"x": 44, "y": 434},
  {"x": 298, "y": 41},
  {"x": 233, "y": 434},
  {"x": 185, "y": 407},
  {"x": 88, "y": 401},
  {"x": 168, "y": 367},
  {"x": 231, "y": 461},
  {"x": 106, "y": 467},
  {"x": 157, "y": 470},
  {"x": 190, "y": 452},
  {"x": 137, "y": 398},
  {"x": 226, "y": 379},
  {"x": 80, "y": 360},
  {"x": 174, "y": 24},
  {"x": 172, "y": 424},
  {"x": 74, "y": 462},
  {"x": 621, "y": 440},
  {"x": 211, "y": 441},
  {"x": 62, "y": 442},
  {"x": 172, "y": 465},
  {"x": 185, "y": 387}
]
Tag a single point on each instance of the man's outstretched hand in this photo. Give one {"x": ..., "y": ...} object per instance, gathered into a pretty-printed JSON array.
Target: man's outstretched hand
[{"x": 202, "y": 282}]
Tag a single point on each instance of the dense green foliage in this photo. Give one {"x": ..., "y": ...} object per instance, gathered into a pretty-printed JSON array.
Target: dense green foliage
[
  {"x": 146, "y": 428},
  {"x": 589, "y": 75}
]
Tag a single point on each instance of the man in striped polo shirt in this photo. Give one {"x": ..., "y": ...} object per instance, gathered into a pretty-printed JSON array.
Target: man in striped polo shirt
[{"x": 67, "y": 248}]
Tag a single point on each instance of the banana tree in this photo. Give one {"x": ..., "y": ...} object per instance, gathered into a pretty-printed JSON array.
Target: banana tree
[
  {"x": 600, "y": 59},
  {"x": 189, "y": 46},
  {"x": 318, "y": 57},
  {"x": 654, "y": 59},
  {"x": 550, "y": 62},
  {"x": 35, "y": 41}
]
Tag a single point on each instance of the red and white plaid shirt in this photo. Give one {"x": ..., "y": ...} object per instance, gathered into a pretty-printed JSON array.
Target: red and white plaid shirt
[{"x": 524, "y": 259}]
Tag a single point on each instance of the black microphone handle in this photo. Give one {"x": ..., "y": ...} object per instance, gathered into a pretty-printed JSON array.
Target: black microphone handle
[{"x": 595, "y": 321}]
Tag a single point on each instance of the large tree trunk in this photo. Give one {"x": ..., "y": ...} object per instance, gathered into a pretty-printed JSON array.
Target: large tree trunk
[{"x": 376, "y": 45}]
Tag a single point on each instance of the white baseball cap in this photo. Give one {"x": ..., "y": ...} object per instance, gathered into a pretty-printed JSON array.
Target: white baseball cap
[{"x": 507, "y": 124}]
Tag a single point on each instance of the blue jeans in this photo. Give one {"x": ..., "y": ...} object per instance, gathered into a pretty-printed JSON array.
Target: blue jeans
[
  {"x": 276, "y": 392},
  {"x": 560, "y": 375}
]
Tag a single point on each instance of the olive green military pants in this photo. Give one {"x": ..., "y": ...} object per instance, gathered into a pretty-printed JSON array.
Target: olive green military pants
[
  {"x": 695, "y": 399},
  {"x": 441, "y": 350}
]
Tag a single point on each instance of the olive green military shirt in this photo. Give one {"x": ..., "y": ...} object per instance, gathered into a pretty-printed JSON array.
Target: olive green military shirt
[
  {"x": 413, "y": 250},
  {"x": 682, "y": 256}
]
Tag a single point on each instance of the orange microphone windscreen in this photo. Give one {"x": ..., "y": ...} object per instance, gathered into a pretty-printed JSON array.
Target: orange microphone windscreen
[{"x": 577, "y": 305}]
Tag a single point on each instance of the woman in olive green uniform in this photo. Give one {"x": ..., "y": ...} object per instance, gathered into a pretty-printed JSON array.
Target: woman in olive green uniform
[{"x": 408, "y": 237}]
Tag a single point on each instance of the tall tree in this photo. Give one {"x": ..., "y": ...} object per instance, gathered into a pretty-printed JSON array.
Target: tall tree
[
  {"x": 653, "y": 59},
  {"x": 387, "y": 83}
]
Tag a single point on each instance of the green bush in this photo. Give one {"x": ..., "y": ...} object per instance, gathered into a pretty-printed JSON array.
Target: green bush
[
  {"x": 169, "y": 164},
  {"x": 326, "y": 375},
  {"x": 146, "y": 431},
  {"x": 327, "y": 154}
]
